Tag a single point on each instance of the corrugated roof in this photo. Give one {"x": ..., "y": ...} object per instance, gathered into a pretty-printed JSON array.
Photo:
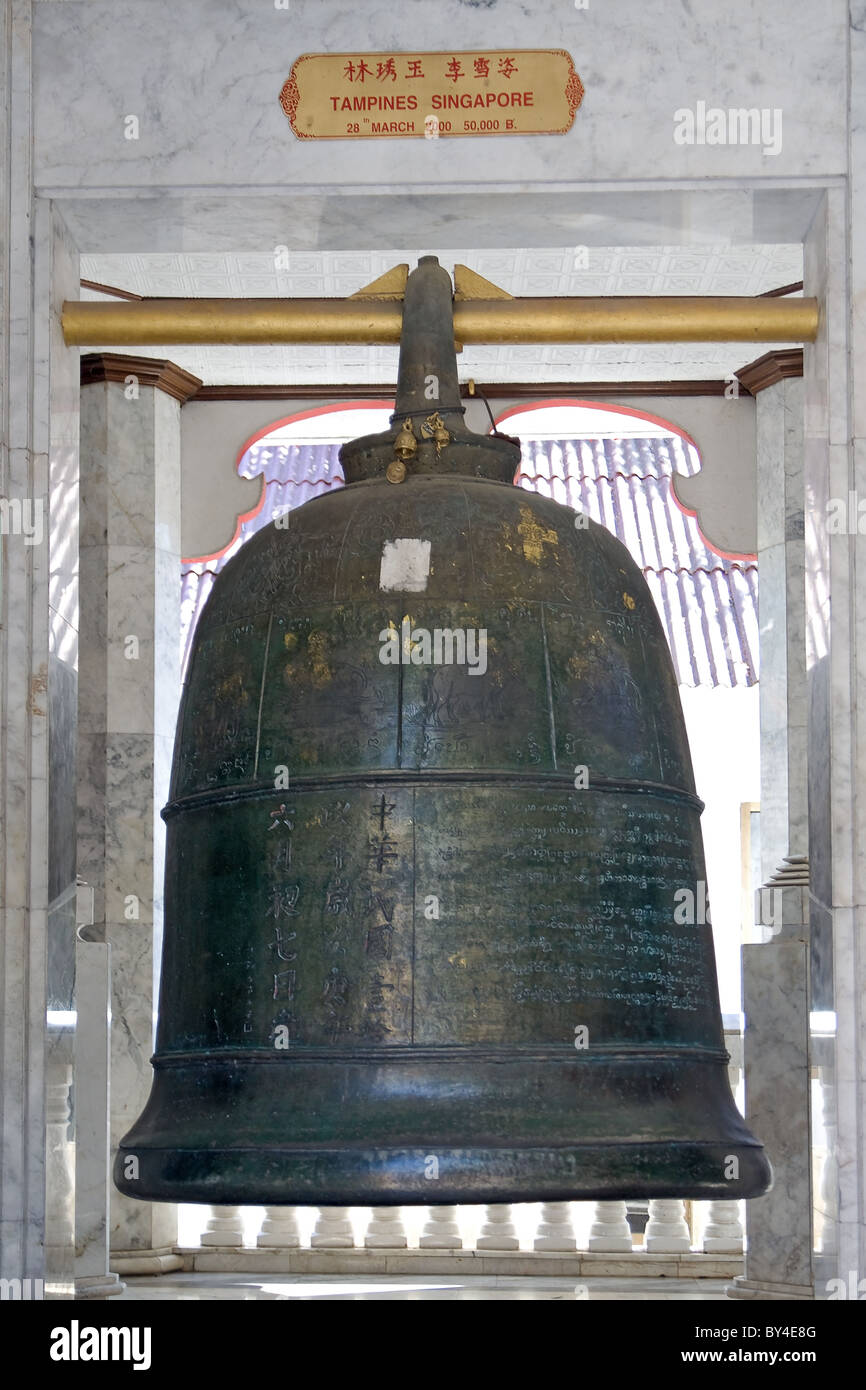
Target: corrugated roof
[{"x": 708, "y": 604}]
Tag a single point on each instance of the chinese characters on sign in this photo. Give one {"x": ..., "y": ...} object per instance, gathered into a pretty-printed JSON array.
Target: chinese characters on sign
[{"x": 347, "y": 96}]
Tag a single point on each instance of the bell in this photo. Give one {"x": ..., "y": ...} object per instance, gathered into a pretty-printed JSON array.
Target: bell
[
  {"x": 434, "y": 428},
  {"x": 405, "y": 444},
  {"x": 431, "y": 841}
]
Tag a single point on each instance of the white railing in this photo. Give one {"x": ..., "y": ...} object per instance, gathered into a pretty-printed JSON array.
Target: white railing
[{"x": 708, "y": 1236}]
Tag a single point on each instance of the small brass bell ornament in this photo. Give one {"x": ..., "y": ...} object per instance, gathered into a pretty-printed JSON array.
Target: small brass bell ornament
[
  {"x": 405, "y": 445},
  {"x": 434, "y": 428}
]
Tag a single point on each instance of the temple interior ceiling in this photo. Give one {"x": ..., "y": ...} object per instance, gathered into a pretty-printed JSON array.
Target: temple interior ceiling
[{"x": 565, "y": 270}]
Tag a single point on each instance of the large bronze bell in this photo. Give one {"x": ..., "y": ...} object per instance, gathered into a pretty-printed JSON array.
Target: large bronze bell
[{"x": 431, "y": 828}]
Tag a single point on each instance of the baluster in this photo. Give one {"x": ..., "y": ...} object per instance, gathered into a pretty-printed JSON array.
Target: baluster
[
  {"x": 441, "y": 1231},
  {"x": 610, "y": 1231},
  {"x": 279, "y": 1229},
  {"x": 723, "y": 1232},
  {"x": 498, "y": 1231},
  {"x": 555, "y": 1231},
  {"x": 224, "y": 1227},
  {"x": 333, "y": 1229},
  {"x": 386, "y": 1230},
  {"x": 666, "y": 1229}
]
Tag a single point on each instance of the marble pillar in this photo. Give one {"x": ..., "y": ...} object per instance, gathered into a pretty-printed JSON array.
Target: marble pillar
[
  {"x": 129, "y": 692},
  {"x": 57, "y": 366},
  {"x": 782, "y": 615},
  {"x": 92, "y": 1160},
  {"x": 835, "y": 468},
  {"x": 845, "y": 1092},
  {"x": 38, "y": 661},
  {"x": 775, "y": 966}
]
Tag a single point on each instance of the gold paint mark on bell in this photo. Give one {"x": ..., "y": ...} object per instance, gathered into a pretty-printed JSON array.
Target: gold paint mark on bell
[
  {"x": 628, "y": 601},
  {"x": 232, "y": 690},
  {"x": 316, "y": 647},
  {"x": 534, "y": 536}
]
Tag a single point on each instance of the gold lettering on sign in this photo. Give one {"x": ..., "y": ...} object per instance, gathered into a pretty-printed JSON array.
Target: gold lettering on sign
[{"x": 350, "y": 96}]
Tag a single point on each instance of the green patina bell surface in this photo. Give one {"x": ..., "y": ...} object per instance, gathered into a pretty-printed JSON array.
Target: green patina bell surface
[{"x": 432, "y": 817}]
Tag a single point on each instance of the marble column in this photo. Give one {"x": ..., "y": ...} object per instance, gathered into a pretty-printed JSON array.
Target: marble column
[
  {"x": 129, "y": 691},
  {"x": 775, "y": 966},
  {"x": 92, "y": 1161},
  {"x": 38, "y": 662},
  {"x": 835, "y": 476}
]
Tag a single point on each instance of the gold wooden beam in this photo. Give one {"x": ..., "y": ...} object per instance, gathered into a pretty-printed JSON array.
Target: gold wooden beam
[{"x": 626, "y": 319}]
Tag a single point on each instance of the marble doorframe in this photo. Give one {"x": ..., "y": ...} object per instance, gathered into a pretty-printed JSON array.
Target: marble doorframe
[{"x": 105, "y": 221}]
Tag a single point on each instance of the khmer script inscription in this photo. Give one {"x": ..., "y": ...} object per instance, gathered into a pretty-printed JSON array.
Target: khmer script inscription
[{"x": 557, "y": 911}]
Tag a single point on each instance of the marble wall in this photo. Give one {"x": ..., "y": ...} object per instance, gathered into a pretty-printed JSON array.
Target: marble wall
[
  {"x": 59, "y": 280},
  {"x": 38, "y": 662},
  {"x": 204, "y": 81}
]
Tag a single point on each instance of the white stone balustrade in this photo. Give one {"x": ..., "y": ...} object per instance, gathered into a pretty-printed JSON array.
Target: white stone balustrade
[
  {"x": 544, "y": 1230},
  {"x": 441, "y": 1231},
  {"x": 333, "y": 1229},
  {"x": 279, "y": 1229},
  {"x": 498, "y": 1231},
  {"x": 224, "y": 1227},
  {"x": 385, "y": 1230},
  {"x": 610, "y": 1230},
  {"x": 667, "y": 1231},
  {"x": 723, "y": 1231},
  {"x": 555, "y": 1231}
]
